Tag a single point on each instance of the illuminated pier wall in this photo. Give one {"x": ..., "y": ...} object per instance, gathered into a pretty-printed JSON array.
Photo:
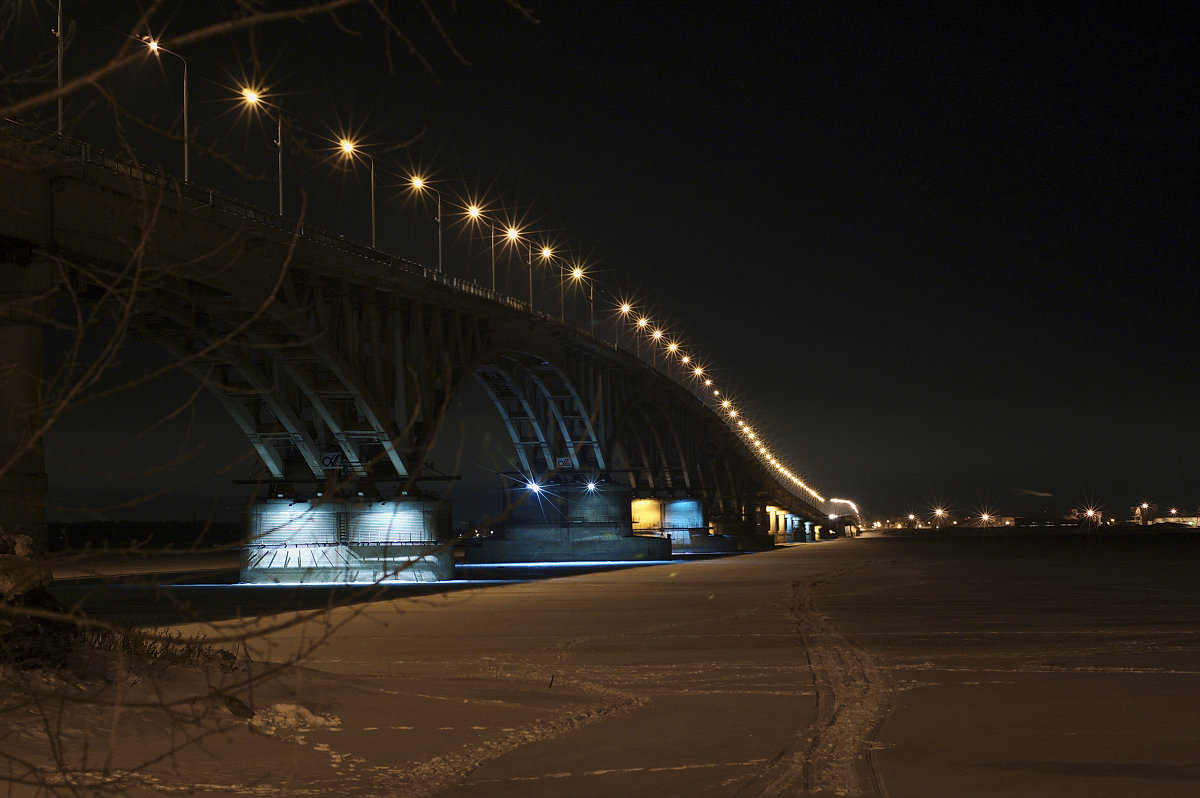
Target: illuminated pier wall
[
  {"x": 344, "y": 541},
  {"x": 565, "y": 523}
]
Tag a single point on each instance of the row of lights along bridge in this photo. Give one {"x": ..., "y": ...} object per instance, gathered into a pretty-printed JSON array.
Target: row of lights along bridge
[{"x": 506, "y": 234}]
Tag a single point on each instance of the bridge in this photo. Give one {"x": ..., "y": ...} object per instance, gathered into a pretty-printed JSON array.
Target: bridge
[{"x": 338, "y": 363}]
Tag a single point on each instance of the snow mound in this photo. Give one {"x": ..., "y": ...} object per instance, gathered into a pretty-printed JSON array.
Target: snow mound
[{"x": 291, "y": 716}]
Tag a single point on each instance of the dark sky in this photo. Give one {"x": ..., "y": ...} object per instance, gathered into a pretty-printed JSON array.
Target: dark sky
[{"x": 942, "y": 252}]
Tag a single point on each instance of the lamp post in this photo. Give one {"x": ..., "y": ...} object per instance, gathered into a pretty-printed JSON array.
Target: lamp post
[
  {"x": 155, "y": 48},
  {"x": 58, "y": 34},
  {"x": 419, "y": 184},
  {"x": 579, "y": 276},
  {"x": 641, "y": 323},
  {"x": 546, "y": 254},
  {"x": 255, "y": 100},
  {"x": 476, "y": 215},
  {"x": 625, "y": 309},
  {"x": 349, "y": 150},
  {"x": 513, "y": 235}
]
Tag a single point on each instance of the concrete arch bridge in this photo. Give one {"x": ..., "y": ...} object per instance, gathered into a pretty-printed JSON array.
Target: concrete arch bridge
[{"x": 338, "y": 363}]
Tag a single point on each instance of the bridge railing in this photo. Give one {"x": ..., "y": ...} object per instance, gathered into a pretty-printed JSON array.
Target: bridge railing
[{"x": 91, "y": 155}]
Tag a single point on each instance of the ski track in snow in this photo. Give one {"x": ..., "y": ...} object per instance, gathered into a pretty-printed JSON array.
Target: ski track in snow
[{"x": 833, "y": 755}]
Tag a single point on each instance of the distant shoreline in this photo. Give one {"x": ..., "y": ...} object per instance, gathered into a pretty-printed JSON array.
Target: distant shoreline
[{"x": 1038, "y": 531}]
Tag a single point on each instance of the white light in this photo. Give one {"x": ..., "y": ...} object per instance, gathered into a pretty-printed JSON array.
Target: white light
[
  {"x": 533, "y": 487},
  {"x": 591, "y": 486}
]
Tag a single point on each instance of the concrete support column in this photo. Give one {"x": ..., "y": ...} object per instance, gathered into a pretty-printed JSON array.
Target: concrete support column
[{"x": 22, "y": 458}]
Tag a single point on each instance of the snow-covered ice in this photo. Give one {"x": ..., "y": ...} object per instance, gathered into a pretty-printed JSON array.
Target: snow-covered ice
[{"x": 978, "y": 667}]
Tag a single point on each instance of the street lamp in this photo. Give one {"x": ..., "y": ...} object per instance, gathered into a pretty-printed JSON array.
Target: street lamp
[
  {"x": 641, "y": 323},
  {"x": 625, "y": 309},
  {"x": 349, "y": 150},
  {"x": 254, "y": 99},
  {"x": 579, "y": 277},
  {"x": 154, "y": 47},
  {"x": 58, "y": 34},
  {"x": 419, "y": 184},
  {"x": 476, "y": 214},
  {"x": 546, "y": 254},
  {"x": 513, "y": 235}
]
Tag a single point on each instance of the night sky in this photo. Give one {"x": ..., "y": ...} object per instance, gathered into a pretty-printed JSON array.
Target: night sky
[{"x": 943, "y": 253}]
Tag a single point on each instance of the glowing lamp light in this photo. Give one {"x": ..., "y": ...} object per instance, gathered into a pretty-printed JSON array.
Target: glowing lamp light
[
  {"x": 533, "y": 487},
  {"x": 626, "y": 308},
  {"x": 473, "y": 211},
  {"x": 547, "y": 252},
  {"x": 577, "y": 273},
  {"x": 591, "y": 486},
  {"x": 726, "y": 403},
  {"x": 685, "y": 359},
  {"x": 657, "y": 334},
  {"x": 418, "y": 183},
  {"x": 347, "y": 146},
  {"x": 643, "y": 321},
  {"x": 251, "y": 96},
  {"x": 513, "y": 234}
]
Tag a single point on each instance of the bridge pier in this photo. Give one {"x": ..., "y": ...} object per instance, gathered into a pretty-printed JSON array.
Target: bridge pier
[
  {"x": 568, "y": 522},
  {"x": 683, "y": 521},
  {"x": 347, "y": 541},
  {"x": 23, "y": 311}
]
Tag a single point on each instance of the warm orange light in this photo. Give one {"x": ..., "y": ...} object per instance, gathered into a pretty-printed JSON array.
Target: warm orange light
[
  {"x": 626, "y": 308},
  {"x": 418, "y": 183},
  {"x": 474, "y": 211},
  {"x": 251, "y": 96},
  {"x": 513, "y": 234},
  {"x": 577, "y": 273},
  {"x": 347, "y": 146},
  {"x": 547, "y": 252},
  {"x": 657, "y": 334},
  {"x": 643, "y": 321}
]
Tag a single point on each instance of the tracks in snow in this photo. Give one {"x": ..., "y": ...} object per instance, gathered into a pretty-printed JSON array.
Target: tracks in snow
[{"x": 833, "y": 755}]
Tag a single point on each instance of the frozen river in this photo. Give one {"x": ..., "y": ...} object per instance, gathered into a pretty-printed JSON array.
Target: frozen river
[{"x": 898, "y": 667}]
